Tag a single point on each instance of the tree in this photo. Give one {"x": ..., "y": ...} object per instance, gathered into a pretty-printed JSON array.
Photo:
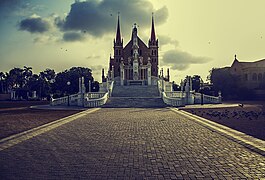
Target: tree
[
  {"x": 72, "y": 75},
  {"x": 46, "y": 79},
  {"x": 15, "y": 78},
  {"x": 222, "y": 80},
  {"x": 196, "y": 82}
]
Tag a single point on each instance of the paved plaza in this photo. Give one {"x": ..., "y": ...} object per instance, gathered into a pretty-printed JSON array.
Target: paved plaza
[{"x": 130, "y": 143}]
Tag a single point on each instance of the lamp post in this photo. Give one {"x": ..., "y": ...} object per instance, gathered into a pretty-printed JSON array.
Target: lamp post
[{"x": 68, "y": 98}]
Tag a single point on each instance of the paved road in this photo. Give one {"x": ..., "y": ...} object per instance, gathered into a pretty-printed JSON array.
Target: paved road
[{"x": 130, "y": 144}]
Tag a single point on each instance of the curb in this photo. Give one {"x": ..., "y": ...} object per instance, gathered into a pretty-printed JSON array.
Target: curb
[
  {"x": 254, "y": 144},
  {"x": 23, "y": 136},
  {"x": 59, "y": 108}
]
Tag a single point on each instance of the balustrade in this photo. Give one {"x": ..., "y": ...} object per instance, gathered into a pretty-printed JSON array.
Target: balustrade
[{"x": 92, "y": 99}]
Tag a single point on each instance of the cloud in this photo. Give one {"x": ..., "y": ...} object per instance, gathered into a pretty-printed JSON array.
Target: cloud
[
  {"x": 34, "y": 24},
  {"x": 98, "y": 18},
  {"x": 73, "y": 36},
  {"x": 163, "y": 40},
  {"x": 93, "y": 56},
  {"x": 44, "y": 39},
  {"x": 97, "y": 69},
  {"x": 180, "y": 60}
]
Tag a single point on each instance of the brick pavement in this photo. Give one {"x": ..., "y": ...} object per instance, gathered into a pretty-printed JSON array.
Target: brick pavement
[{"x": 130, "y": 144}]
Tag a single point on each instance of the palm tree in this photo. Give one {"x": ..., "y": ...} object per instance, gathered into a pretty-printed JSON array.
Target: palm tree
[{"x": 27, "y": 74}]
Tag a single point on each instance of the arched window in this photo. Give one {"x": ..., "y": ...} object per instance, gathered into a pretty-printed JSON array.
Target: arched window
[
  {"x": 254, "y": 77},
  {"x": 155, "y": 52},
  {"x": 260, "y": 77},
  {"x": 116, "y": 52}
]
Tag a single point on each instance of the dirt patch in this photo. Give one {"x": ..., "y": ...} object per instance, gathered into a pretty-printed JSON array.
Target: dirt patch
[
  {"x": 16, "y": 116},
  {"x": 249, "y": 119}
]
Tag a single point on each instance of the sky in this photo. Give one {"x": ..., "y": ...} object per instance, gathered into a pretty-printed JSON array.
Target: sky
[{"x": 194, "y": 36}]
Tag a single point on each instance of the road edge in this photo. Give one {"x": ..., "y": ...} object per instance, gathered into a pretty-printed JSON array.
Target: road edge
[
  {"x": 23, "y": 136},
  {"x": 254, "y": 144}
]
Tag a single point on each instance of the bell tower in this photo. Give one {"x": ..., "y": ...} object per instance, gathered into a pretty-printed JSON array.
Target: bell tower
[
  {"x": 118, "y": 49},
  {"x": 153, "y": 49}
]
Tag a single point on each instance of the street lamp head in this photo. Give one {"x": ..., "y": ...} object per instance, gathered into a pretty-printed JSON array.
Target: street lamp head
[{"x": 68, "y": 83}]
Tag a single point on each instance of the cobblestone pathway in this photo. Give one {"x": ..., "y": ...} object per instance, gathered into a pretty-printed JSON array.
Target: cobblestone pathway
[{"x": 130, "y": 144}]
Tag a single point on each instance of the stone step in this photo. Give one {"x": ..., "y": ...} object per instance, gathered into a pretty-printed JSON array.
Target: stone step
[
  {"x": 135, "y": 91},
  {"x": 133, "y": 102}
]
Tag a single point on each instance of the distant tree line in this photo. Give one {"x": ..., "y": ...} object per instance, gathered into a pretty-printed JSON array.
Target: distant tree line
[{"x": 25, "y": 82}]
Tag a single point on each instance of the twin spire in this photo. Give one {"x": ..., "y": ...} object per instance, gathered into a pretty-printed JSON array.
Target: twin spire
[
  {"x": 118, "y": 33},
  {"x": 153, "y": 34},
  {"x": 118, "y": 39}
]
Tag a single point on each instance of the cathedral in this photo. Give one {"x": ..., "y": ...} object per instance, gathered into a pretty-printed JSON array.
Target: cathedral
[{"x": 135, "y": 63}]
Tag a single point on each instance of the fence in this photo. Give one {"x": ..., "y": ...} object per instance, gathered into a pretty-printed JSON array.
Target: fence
[
  {"x": 91, "y": 99},
  {"x": 181, "y": 98}
]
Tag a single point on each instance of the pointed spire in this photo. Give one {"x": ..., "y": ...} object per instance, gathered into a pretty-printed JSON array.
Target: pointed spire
[
  {"x": 118, "y": 33},
  {"x": 153, "y": 34}
]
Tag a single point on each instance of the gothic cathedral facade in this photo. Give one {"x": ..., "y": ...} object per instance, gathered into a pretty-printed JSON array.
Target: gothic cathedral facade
[{"x": 134, "y": 63}]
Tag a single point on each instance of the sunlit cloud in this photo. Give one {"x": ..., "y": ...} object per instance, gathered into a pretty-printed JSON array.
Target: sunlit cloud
[
  {"x": 180, "y": 60},
  {"x": 98, "y": 18}
]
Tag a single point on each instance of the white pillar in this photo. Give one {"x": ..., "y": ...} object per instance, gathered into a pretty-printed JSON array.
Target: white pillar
[
  {"x": 82, "y": 90},
  {"x": 149, "y": 72},
  {"x": 89, "y": 86},
  {"x": 79, "y": 85},
  {"x": 122, "y": 72},
  {"x": 112, "y": 73}
]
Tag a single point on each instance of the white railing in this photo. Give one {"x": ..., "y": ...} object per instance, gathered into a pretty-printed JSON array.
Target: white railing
[
  {"x": 206, "y": 99},
  {"x": 197, "y": 98},
  {"x": 73, "y": 100},
  {"x": 92, "y": 99},
  {"x": 170, "y": 98},
  {"x": 211, "y": 99},
  {"x": 173, "y": 101},
  {"x": 94, "y": 95},
  {"x": 179, "y": 98},
  {"x": 175, "y": 94},
  {"x": 59, "y": 101},
  {"x": 96, "y": 102}
]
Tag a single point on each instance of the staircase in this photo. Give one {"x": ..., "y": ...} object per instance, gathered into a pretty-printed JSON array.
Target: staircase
[{"x": 135, "y": 97}]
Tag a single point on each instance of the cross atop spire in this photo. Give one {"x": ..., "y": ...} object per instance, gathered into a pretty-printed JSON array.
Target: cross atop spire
[
  {"x": 153, "y": 34},
  {"x": 118, "y": 33}
]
